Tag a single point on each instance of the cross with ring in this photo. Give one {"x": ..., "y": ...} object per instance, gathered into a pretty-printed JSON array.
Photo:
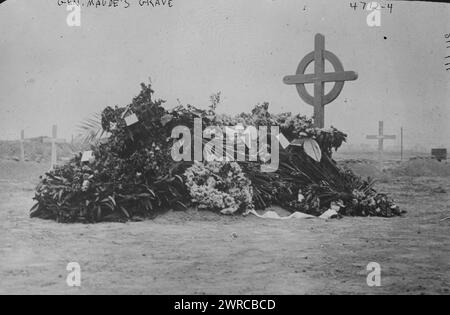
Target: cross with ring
[{"x": 319, "y": 77}]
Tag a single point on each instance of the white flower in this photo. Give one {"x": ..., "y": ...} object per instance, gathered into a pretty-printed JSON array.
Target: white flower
[
  {"x": 301, "y": 198},
  {"x": 86, "y": 185}
]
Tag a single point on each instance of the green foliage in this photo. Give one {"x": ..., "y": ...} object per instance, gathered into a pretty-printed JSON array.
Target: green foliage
[
  {"x": 291, "y": 126},
  {"x": 108, "y": 189},
  {"x": 91, "y": 129},
  {"x": 321, "y": 184},
  {"x": 134, "y": 176}
]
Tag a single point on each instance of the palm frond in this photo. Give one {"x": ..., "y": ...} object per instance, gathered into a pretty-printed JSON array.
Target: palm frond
[{"x": 91, "y": 129}]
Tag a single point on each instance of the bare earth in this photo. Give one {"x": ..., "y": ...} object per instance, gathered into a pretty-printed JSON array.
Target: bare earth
[{"x": 203, "y": 253}]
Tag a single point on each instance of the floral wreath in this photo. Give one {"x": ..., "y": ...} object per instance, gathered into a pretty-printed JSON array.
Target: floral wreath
[{"x": 219, "y": 186}]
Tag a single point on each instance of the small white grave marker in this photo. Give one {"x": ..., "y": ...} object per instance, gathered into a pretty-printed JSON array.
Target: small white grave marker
[
  {"x": 87, "y": 156},
  {"x": 298, "y": 142},
  {"x": 54, "y": 140},
  {"x": 131, "y": 120},
  {"x": 283, "y": 141}
]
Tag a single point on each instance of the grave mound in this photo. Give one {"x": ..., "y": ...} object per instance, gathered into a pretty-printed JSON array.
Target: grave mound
[
  {"x": 422, "y": 167},
  {"x": 36, "y": 150},
  {"x": 134, "y": 175}
]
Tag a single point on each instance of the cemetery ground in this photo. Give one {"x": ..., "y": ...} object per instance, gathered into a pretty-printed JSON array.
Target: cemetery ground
[{"x": 204, "y": 253}]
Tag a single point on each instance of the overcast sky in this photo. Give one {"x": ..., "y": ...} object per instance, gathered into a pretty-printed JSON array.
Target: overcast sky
[{"x": 52, "y": 73}]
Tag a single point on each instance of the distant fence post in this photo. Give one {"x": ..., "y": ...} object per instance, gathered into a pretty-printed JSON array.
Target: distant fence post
[
  {"x": 401, "y": 144},
  {"x": 22, "y": 145},
  {"x": 22, "y": 149}
]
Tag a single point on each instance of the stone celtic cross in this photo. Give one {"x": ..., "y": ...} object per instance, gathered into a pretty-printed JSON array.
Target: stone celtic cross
[{"x": 318, "y": 78}]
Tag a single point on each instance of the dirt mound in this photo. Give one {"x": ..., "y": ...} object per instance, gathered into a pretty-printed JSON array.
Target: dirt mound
[
  {"x": 422, "y": 167},
  {"x": 14, "y": 172},
  {"x": 363, "y": 167},
  {"x": 36, "y": 151},
  {"x": 415, "y": 167}
]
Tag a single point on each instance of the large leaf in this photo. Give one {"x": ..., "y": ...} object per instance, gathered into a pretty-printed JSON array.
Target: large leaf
[
  {"x": 91, "y": 129},
  {"x": 179, "y": 206},
  {"x": 35, "y": 210},
  {"x": 166, "y": 119},
  {"x": 127, "y": 214},
  {"x": 312, "y": 149}
]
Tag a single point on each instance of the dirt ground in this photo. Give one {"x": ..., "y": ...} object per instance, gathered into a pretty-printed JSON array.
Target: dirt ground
[{"x": 203, "y": 253}]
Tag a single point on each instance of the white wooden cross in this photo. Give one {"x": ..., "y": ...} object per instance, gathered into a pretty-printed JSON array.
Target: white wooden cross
[
  {"x": 381, "y": 137},
  {"x": 22, "y": 148},
  {"x": 54, "y": 140}
]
